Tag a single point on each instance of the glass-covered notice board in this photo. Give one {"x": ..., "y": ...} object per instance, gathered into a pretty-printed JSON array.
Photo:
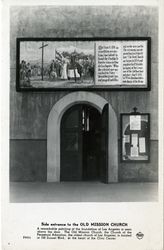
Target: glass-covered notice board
[{"x": 135, "y": 137}]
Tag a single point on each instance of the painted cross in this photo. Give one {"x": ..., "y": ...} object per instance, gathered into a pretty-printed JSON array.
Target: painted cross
[{"x": 42, "y": 47}]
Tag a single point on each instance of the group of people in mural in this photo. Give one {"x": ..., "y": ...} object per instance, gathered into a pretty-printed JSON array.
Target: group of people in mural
[
  {"x": 25, "y": 71},
  {"x": 71, "y": 67}
]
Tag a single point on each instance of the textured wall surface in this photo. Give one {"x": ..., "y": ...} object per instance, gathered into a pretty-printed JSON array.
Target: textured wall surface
[
  {"x": 28, "y": 160},
  {"x": 28, "y": 163},
  {"x": 29, "y": 111},
  {"x": 141, "y": 171}
]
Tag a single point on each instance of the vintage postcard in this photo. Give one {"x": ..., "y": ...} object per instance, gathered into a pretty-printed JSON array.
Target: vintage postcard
[{"x": 82, "y": 125}]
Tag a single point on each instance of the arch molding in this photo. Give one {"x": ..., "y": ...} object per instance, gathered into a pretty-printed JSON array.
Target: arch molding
[{"x": 53, "y": 133}]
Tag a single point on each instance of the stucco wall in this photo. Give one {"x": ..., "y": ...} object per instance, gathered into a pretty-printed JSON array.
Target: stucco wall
[
  {"x": 28, "y": 162},
  {"x": 29, "y": 111}
]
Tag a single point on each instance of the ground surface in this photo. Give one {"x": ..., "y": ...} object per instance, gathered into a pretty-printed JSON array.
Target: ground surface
[
  {"x": 46, "y": 83},
  {"x": 82, "y": 192}
]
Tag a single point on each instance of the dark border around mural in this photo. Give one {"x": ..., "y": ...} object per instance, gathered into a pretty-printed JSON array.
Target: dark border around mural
[{"x": 94, "y": 88}]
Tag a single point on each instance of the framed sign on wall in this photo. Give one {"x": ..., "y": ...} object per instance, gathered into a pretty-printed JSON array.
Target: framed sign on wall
[
  {"x": 45, "y": 64},
  {"x": 135, "y": 137}
]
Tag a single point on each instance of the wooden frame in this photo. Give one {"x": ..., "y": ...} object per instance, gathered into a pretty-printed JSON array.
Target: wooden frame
[
  {"x": 77, "y": 62},
  {"x": 135, "y": 137}
]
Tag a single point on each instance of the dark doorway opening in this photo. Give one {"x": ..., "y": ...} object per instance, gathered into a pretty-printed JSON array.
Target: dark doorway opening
[
  {"x": 91, "y": 143},
  {"x": 83, "y": 143}
]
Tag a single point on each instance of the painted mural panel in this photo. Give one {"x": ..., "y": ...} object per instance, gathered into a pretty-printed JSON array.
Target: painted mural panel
[{"x": 49, "y": 64}]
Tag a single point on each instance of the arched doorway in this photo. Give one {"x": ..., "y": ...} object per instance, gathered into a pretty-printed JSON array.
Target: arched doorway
[
  {"x": 81, "y": 146},
  {"x": 54, "y": 140}
]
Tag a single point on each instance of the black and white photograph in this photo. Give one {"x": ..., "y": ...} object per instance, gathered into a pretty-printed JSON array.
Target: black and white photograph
[
  {"x": 64, "y": 141},
  {"x": 83, "y": 165}
]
